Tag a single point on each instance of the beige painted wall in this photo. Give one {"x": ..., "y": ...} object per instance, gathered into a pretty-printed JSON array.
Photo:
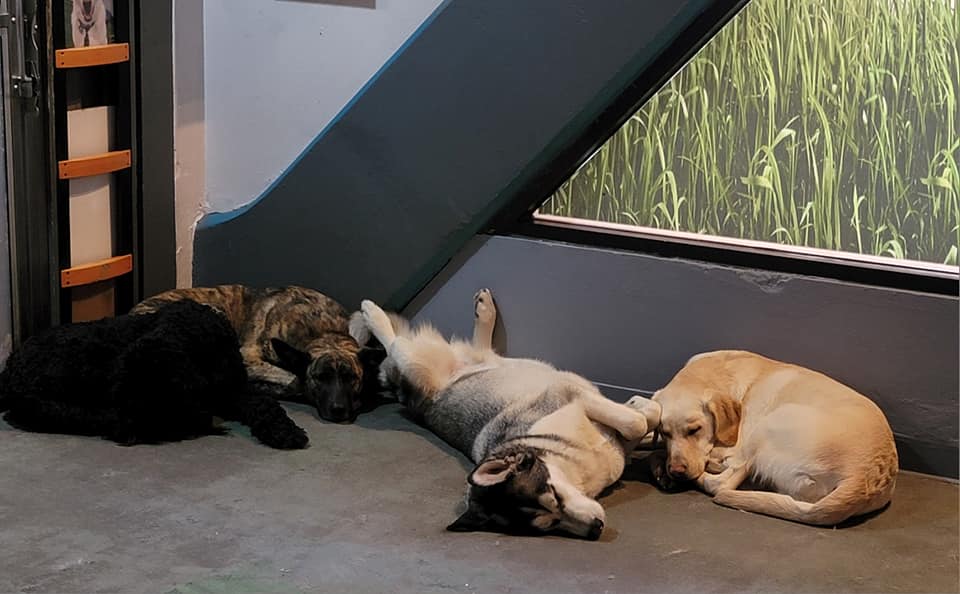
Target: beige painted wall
[{"x": 189, "y": 130}]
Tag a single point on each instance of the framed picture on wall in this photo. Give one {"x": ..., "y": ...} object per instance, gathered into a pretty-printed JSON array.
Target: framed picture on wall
[{"x": 88, "y": 22}]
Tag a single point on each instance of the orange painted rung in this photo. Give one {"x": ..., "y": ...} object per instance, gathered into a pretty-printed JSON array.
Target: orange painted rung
[
  {"x": 95, "y": 165},
  {"x": 97, "y": 55},
  {"x": 96, "y": 271}
]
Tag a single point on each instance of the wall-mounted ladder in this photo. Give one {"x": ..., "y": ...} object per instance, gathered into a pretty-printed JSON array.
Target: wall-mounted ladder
[{"x": 93, "y": 132}]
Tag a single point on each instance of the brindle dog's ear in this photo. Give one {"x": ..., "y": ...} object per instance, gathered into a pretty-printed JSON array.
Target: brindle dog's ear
[
  {"x": 472, "y": 520},
  {"x": 371, "y": 357},
  {"x": 726, "y": 419},
  {"x": 292, "y": 359}
]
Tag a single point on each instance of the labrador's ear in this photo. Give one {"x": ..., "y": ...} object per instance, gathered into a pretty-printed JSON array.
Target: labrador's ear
[{"x": 726, "y": 419}]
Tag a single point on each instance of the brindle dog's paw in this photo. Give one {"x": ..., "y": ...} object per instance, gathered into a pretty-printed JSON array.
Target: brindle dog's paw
[
  {"x": 483, "y": 306},
  {"x": 294, "y": 440},
  {"x": 285, "y": 438}
]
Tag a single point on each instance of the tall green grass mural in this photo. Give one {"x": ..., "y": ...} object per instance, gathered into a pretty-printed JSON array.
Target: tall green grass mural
[{"x": 823, "y": 123}]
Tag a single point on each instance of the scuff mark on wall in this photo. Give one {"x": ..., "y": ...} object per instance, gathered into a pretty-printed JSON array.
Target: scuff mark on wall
[{"x": 766, "y": 281}]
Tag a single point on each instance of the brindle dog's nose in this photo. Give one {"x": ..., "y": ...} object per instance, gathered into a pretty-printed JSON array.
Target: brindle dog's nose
[
  {"x": 339, "y": 413},
  {"x": 595, "y": 529}
]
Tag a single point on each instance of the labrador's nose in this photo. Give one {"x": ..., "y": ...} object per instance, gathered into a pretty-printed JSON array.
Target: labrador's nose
[{"x": 677, "y": 469}]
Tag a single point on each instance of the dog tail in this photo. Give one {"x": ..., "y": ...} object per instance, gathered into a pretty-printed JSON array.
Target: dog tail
[
  {"x": 852, "y": 497},
  {"x": 358, "y": 329}
]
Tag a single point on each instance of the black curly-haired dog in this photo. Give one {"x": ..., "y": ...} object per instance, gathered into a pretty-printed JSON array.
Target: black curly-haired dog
[{"x": 140, "y": 379}]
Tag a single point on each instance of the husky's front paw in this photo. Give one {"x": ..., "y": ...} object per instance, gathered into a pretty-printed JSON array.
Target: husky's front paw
[
  {"x": 483, "y": 307},
  {"x": 634, "y": 429},
  {"x": 648, "y": 408}
]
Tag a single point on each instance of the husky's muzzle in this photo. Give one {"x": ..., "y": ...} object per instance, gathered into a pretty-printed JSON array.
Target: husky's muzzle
[{"x": 595, "y": 530}]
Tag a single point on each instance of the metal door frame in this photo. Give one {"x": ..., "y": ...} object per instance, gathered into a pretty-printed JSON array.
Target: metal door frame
[{"x": 24, "y": 44}]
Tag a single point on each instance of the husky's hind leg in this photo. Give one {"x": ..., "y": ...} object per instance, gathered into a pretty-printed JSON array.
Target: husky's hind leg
[
  {"x": 422, "y": 358},
  {"x": 378, "y": 322},
  {"x": 425, "y": 360},
  {"x": 484, "y": 319}
]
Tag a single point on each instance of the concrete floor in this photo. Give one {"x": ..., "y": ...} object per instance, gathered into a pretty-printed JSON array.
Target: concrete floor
[{"x": 364, "y": 509}]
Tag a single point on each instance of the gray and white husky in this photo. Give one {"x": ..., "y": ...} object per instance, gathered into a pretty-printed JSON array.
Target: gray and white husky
[{"x": 545, "y": 442}]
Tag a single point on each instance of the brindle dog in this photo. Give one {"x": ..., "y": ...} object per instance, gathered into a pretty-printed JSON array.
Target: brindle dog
[{"x": 295, "y": 345}]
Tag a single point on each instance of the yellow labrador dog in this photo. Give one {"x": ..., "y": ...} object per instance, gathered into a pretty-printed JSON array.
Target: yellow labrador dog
[{"x": 826, "y": 451}]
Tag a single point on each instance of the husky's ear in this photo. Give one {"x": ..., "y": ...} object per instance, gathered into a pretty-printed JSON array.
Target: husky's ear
[
  {"x": 292, "y": 359},
  {"x": 726, "y": 419},
  {"x": 496, "y": 470},
  {"x": 491, "y": 472},
  {"x": 472, "y": 520}
]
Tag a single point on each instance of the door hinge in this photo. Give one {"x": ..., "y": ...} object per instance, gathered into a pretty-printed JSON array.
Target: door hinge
[{"x": 19, "y": 18}]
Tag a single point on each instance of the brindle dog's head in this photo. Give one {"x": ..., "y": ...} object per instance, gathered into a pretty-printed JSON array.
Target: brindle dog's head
[
  {"x": 514, "y": 492},
  {"x": 336, "y": 375}
]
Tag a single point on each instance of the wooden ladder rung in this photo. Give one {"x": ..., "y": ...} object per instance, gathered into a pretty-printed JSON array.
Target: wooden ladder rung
[
  {"x": 93, "y": 272},
  {"x": 97, "y": 55},
  {"x": 94, "y": 165}
]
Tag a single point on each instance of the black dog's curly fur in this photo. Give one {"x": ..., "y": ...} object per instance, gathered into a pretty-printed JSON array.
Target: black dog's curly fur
[{"x": 140, "y": 379}]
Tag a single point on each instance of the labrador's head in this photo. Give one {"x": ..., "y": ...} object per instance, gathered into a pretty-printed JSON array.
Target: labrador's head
[
  {"x": 696, "y": 416},
  {"x": 515, "y": 491}
]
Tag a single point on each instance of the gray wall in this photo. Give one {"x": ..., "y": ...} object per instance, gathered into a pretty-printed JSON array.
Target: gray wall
[
  {"x": 310, "y": 59},
  {"x": 243, "y": 117},
  {"x": 480, "y": 101},
  {"x": 158, "y": 242},
  {"x": 630, "y": 321},
  {"x": 6, "y": 298}
]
